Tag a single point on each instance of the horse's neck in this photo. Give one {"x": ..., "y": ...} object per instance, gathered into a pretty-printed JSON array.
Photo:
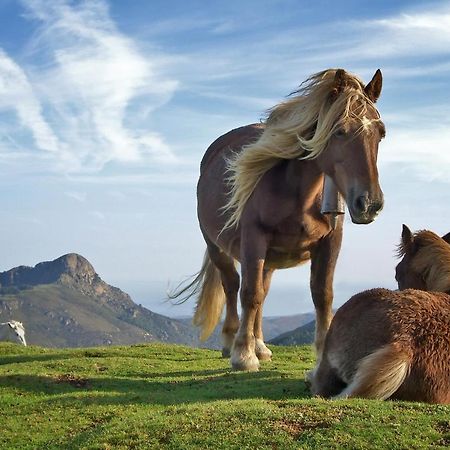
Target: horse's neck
[{"x": 305, "y": 178}]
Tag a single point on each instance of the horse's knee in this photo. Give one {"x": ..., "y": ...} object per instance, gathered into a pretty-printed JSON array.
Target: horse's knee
[{"x": 252, "y": 297}]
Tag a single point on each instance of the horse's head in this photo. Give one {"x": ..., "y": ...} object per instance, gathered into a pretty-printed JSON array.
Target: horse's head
[
  {"x": 425, "y": 262},
  {"x": 350, "y": 157}
]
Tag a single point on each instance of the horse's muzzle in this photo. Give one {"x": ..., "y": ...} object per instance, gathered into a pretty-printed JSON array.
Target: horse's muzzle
[{"x": 364, "y": 210}]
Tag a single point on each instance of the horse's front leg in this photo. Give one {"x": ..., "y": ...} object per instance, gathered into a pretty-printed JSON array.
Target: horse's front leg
[
  {"x": 262, "y": 351},
  {"x": 323, "y": 263},
  {"x": 253, "y": 249}
]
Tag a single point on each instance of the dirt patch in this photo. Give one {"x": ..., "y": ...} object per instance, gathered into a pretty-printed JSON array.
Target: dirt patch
[
  {"x": 297, "y": 420},
  {"x": 443, "y": 427},
  {"x": 296, "y": 427},
  {"x": 73, "y": 380}
]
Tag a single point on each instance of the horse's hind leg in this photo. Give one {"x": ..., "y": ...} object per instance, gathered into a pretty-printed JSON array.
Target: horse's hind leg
[
  {"x": 262, "y": 352},
  {"x": 230, "y": 283}
]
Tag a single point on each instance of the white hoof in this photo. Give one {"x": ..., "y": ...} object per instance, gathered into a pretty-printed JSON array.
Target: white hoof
[
  {"x": 245, "y": 362},
  {"x": 263, "y": 353}
]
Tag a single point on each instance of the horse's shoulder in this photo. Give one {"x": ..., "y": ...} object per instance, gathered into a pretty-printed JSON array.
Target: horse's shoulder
[{"x": 234, "y": 140}]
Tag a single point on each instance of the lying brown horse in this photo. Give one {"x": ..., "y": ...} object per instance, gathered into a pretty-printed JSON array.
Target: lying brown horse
[
  {"x": 395, "y": 344},
  {"x": 259, "y": 203}
]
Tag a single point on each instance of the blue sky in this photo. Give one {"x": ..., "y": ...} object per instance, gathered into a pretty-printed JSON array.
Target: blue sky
[{"x": 107, "y": 108}]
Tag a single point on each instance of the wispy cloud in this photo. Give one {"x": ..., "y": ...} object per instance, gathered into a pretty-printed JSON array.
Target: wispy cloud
[
  {"x": 16, "y": 93},
  {"x": 424, "y": 152},
  {"x": 78, "y": 196},
  {"x": 81, "y": 100},
  {"x": 98, "y": 215}
]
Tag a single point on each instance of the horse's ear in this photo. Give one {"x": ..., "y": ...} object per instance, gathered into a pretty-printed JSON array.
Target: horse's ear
[
  {"x": 339, "y": 83},
  {"x": 373, "y": 89},
  {"x": 446, "y": 238},
  {"x": 407, "y": 237}
]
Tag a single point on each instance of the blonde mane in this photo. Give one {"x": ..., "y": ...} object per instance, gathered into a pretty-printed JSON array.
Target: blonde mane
[
  {"x": 431, "y": 259},
  {"x": 298, "y": 128}
]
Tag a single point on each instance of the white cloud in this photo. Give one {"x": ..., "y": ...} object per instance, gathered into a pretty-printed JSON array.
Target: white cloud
[
  {"x": 16, "y": 93},
  {"x": 78, "y": 196},
  {"x": 81, "y": 100},
  {"x": 426, "y": 151},
  {"x": 422, "y": 33},
  {"x": 97, "y": 215},
  {"x": 418, "y": 34}
]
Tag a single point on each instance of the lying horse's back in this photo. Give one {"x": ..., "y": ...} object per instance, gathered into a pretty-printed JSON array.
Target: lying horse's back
[{"x": 388, "y": 344}]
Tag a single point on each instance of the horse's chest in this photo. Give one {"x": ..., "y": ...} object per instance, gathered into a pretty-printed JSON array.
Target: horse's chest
[{"x": 292, "y": 242}]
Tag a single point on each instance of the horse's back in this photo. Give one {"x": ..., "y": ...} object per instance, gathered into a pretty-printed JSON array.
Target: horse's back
[
  {"x": 234, "y": 140},
  {"x": 212, "y": 187}
]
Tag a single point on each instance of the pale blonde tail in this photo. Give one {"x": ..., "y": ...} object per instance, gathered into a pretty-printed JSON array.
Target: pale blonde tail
[
  {"x": 211, "y": 299},
  {"x": 379, "y": 374}
]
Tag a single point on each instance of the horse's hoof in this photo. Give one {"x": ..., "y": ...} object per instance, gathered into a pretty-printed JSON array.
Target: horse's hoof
[
  {"x": 262, "y": 352},
  {"x": 249, "y": 364},
  {"x": 226, "y": 353},
  {"x": 264, "y": 356}
]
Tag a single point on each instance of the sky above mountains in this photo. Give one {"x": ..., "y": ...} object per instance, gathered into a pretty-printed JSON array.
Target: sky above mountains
[{"x": 107, "y": 108}]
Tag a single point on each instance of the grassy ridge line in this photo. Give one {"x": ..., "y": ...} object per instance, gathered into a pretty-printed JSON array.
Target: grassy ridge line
[{"x": 175, "y": 397}]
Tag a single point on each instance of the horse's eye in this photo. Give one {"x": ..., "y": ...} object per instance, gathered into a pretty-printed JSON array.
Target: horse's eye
[{"x": 340, "y": 132}]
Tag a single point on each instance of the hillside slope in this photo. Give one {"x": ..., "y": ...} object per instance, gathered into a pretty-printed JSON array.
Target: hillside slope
[
  {"x": 65, "y": 303},
  {"x": 300, "y": 336}
]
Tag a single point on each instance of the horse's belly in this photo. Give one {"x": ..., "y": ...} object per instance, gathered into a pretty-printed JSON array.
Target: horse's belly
[{"x": 282, "y": 259}]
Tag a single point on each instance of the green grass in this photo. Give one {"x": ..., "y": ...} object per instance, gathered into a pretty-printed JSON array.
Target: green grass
[{"x": 162, "y": 396}]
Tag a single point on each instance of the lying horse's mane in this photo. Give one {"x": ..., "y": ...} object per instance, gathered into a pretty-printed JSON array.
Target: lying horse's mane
[
  {"x": 299, "y": 127},
  {"x": 431, "y": 259}
]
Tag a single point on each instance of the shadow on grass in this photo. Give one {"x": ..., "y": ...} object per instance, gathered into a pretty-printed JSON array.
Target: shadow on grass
[
  {"x": 13, "y": 359},
  {"x": 214, "y": 385}
]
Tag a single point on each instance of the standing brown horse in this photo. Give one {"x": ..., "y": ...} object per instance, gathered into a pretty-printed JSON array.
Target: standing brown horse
[
  {"x": 395, "y": 344},
  {"x": 259, "y": 203}
]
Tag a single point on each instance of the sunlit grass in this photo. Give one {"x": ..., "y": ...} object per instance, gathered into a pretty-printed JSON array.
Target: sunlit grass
[{"x": 162, "y": 396}]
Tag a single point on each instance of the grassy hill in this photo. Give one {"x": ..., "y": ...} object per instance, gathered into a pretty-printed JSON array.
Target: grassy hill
[
  {"x": 57, "y": 315},
  {"x": 155, "y": 396}
]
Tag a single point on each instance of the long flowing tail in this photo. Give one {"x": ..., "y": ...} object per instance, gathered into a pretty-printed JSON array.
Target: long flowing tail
[
  {"x": 379, "y": 374},
  {"x": 211, "y": 299}
]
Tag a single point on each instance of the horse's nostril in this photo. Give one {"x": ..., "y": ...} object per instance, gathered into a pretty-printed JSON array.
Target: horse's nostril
[{"x": 361, "y": 203}]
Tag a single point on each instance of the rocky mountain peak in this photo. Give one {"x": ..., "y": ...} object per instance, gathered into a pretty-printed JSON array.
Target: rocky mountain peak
[{"x": 70, "y": 267}]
